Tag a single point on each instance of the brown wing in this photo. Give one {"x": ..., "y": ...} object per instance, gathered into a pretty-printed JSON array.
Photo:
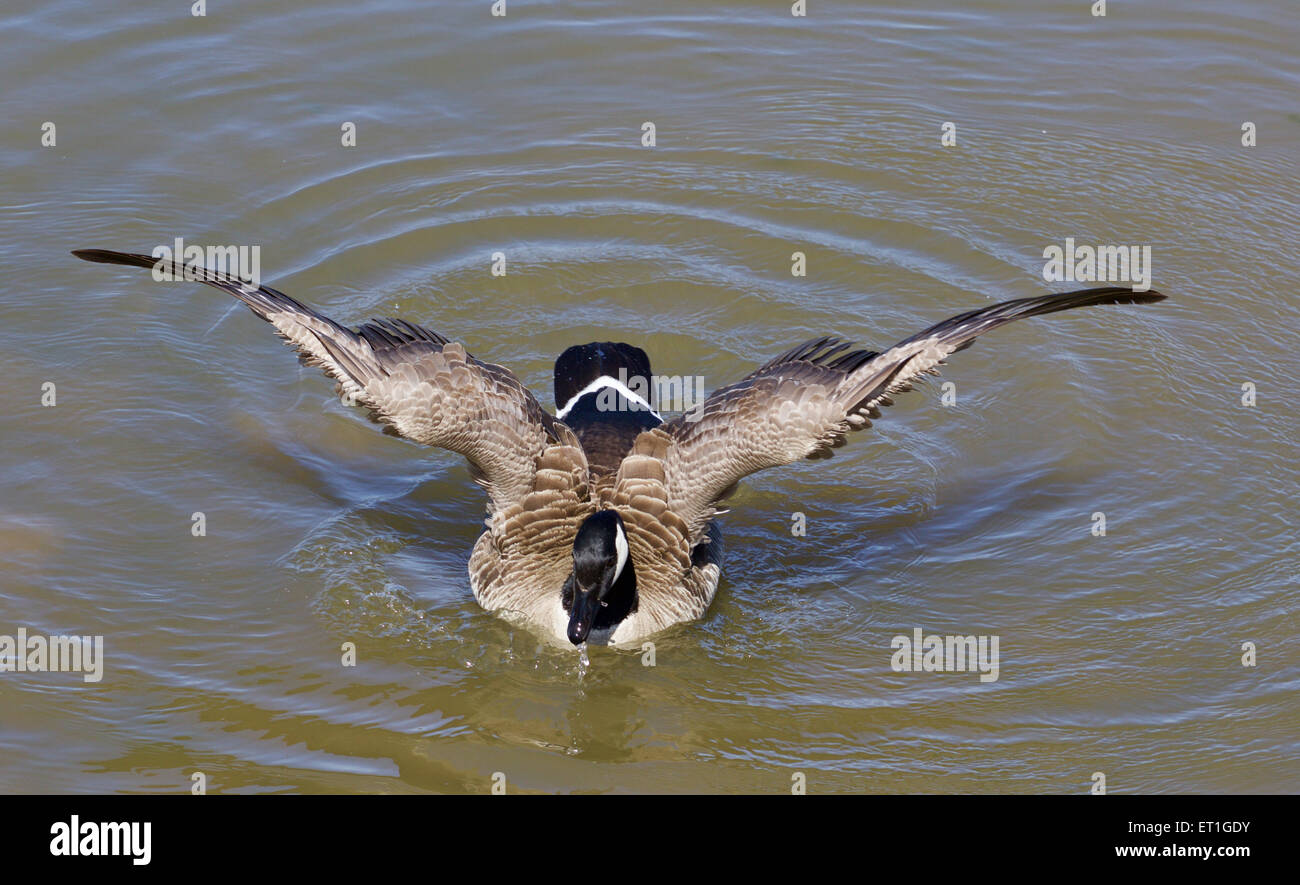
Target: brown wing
[
  {"x": 804, "y": 402},
  {"x": 421, "y": 385}
]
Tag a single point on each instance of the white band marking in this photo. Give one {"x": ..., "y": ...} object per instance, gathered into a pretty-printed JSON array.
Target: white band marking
[{"x": 605, "y": 381}]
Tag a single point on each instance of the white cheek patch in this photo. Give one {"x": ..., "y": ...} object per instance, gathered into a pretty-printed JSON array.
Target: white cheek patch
[
  {"x": 601, "y": 382},
  {"x": 620, "y": 544}
]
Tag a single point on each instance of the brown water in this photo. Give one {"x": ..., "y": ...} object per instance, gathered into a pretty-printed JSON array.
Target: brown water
[{"x": 1119, "y": 654}]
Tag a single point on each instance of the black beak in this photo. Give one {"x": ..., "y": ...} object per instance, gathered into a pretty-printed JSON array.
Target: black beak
[{"x": 583, "y": 615}]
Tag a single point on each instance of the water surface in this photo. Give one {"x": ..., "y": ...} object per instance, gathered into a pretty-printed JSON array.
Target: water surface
[{"x": 1119, "y": 654}]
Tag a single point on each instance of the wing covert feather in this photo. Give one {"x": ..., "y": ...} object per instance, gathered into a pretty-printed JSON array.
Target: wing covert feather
[
  {"x": 423, "y": 386},
  {"x": 804, "y": 402}
]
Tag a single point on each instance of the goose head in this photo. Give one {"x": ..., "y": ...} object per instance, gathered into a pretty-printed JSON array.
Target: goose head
[{"x": 602, "y": 589}]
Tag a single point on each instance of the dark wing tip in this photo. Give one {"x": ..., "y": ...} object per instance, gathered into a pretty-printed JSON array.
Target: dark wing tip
[
  {"x": 107, "y": 256},
  {"x": 1133, "y": 296},
  {"x": 1104, "y": 295},
  {"x": 1007, "y": 311}
]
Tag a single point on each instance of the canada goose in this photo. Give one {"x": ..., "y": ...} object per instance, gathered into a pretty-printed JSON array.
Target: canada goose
[{"x": 601, "y": 520}]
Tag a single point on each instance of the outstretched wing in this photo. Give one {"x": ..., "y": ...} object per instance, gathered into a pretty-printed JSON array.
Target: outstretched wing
[
  {"x": 803, "y": 403},
  {"x": 423, "y": 386}
]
